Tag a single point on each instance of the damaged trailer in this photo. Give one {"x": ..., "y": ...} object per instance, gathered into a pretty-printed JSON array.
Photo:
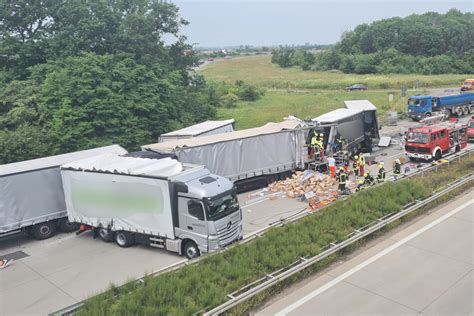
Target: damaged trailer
[
  {"x": 357, "y": 124},
  {"x": 32, "y": 197},
  {"x": 252, "y": 157}
]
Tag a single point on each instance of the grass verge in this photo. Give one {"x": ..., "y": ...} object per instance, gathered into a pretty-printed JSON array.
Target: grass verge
[{"x": 207, "y": 282}]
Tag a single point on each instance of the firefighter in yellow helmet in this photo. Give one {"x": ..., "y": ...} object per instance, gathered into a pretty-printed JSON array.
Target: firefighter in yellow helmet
[
  {"x": 397, "y": 169},
  {"x": 381, "y": 174},
  {"x": 342, "y": 177},
  {"x": 315, "y": 146}
]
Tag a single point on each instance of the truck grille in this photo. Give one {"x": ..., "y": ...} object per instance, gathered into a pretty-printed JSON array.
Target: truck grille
[
  {"x": 421, "y": 150},
  {"x": 225, "y": 235}
]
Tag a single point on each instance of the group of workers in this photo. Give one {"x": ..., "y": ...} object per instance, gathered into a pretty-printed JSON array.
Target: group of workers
[
  {"x": 358, "y": 165},
  {"x": 317, "y": 146}
]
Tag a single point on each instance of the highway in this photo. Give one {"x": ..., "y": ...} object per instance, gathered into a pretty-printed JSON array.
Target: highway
[
  {"x": 51, "y": 274},
  {"x": 426, "y": 268}
]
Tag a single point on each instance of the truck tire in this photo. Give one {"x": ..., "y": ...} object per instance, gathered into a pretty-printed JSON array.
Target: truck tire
[
  {"x": 465, "y": 110},
  {"x": 66, "y": 226},
  {"x": 124, "y": 239},
  {"x": 44, "y": 230},
  {"x": 191, "y": 250},
  {"x": 438, "y": 155},
  {"x": 105, "y": 234},
  {"x": 427, "y": 115}
]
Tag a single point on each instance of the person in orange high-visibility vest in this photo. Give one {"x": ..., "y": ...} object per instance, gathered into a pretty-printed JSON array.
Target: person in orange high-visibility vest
[
  {"x": 361, "y": 165},
  {"x": 332, "y": 166}
]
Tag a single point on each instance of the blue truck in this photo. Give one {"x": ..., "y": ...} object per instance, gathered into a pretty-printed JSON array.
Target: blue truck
[{"x": 424, "y": 106}]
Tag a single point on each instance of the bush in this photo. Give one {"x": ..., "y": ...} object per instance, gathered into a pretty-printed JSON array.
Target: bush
[{"x": 229, "y": 100}]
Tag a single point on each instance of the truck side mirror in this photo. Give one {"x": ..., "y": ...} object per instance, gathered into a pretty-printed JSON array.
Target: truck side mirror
[{"x": 181, "y": 187}]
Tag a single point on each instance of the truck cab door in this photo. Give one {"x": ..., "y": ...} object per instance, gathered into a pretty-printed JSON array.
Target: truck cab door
[{"x": 193, "y": 219}]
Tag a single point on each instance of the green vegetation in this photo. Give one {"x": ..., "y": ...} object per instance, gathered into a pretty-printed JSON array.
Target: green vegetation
[
  {"x": 291, "y": 91},
  {"x": 206, "y": 283},
  {"x": 260, "y": 71},
  {"x": 80, "y": 74},
  {"x": 275, "y": 105},
  {"x": 430, "y": 43}
]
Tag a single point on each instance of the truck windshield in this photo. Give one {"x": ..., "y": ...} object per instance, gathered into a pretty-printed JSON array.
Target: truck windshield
[
  {"x": 222, "y": 206},
  {"x": 416, "y": 102},
  {"x": 418, "y": 138}
]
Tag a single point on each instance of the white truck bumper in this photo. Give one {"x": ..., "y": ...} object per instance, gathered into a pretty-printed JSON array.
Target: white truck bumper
[{"x": 419, "y": 156}]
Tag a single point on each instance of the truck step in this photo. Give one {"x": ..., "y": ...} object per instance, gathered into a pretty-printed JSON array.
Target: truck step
[
  {"x": 157, "y": 242},
  {"x": 157, "y": 245}
]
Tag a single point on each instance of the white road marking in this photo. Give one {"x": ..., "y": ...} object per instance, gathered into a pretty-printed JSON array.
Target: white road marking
[{"x": 362, "y": 265}]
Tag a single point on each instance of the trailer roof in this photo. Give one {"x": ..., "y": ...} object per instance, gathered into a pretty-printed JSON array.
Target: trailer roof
[
  {"x": 110, "y": 163},
  {"x": 364, "y": 105},
  {"x": 336, "y": 115},
  {"x": 56, "y": 161},
  {"x": 268, "y": 128},
  {"x": 200, "y": 128}
]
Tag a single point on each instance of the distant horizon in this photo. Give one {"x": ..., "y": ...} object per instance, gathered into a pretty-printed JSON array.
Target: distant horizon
[
  {"x": 261, "y": 46},
  {"x": 271, "y": 23}
]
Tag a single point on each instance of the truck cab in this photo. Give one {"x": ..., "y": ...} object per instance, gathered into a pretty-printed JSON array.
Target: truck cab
[
  {"x": 431, "y": 142},
  {"x": 420, "y": 107},
  {"x": 467, "y": 85},
  {"x": 209, "y": 213}
]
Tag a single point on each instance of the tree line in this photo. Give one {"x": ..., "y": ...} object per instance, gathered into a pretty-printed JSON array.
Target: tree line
[
  {"x": 80, "y": 74},
  {"x": 429, "y": 43}
]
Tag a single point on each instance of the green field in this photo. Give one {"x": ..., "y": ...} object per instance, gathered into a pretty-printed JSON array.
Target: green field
[
  {"x": 260, "y": 71},
  {"x": 291, "y": 91},
  {"x": 275, "y": 105}
]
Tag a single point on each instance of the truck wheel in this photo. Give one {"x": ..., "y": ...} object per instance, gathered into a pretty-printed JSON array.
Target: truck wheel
[
  {"x": 438, "y": 155},
  {"x": 44, "y": 230},
  {"x": 465, "y": 110},
  {"x": 427, "y": 115},
  {"x": 191, "y": 250},
  {"x": 458, "y": 148},
  {"x": 124, "y": 239},
  {"x": 105, "y": 234},
  {"x": 66, "y": 226}
]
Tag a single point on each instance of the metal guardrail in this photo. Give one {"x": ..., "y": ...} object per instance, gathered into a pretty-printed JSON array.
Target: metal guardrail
[
  {"x": 70, "y": 310},
  {"x": 269, "y": 280}
]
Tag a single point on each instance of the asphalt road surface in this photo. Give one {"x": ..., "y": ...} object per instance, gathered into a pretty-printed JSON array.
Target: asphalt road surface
[{"x": 424, "y": 269}]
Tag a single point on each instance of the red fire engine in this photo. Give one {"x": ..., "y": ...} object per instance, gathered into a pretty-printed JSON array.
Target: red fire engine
[
  {"x": 432, "y": 142},
  {"x": 470, "y": 129}
]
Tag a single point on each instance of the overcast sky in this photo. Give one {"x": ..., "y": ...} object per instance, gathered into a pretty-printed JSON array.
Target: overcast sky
[{"x": 272, "y": 22}]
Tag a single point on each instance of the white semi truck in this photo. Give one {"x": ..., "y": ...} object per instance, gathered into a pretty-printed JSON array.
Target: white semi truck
[
  {"x": 31, "y": 194},
  {"x": 159, "y": 202}
]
